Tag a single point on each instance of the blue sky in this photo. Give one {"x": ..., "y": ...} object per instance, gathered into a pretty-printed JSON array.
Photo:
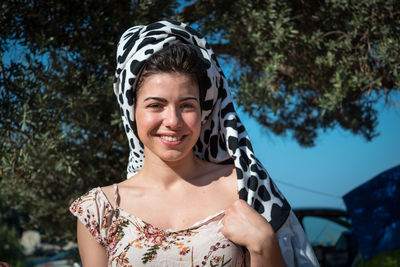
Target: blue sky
[{"x": 339, "y": 162}]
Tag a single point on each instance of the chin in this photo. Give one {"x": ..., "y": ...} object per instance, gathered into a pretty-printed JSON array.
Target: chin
[{"x": 174, "y": 156}]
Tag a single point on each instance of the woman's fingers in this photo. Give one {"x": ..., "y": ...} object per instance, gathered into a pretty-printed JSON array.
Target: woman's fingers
[{"x": 244, "y": 226}]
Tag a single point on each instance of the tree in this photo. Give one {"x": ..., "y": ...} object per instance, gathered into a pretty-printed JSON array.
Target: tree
[
  {"x": 307, "y": 65},
  {"x": 299, "y": 67},
  {"x": 60, "y": 125}
]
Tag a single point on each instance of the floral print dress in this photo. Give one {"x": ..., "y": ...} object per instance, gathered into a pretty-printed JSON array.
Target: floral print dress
[{"x": 130, "y": 241}]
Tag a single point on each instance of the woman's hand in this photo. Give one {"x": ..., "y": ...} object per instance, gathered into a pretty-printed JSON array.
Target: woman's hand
[{"x": 244, "y": 226}]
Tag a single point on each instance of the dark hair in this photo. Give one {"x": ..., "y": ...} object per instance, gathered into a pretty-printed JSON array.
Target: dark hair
[{"x": 179, "y": 58}]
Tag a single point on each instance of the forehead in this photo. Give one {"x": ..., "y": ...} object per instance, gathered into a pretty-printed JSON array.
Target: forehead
[{"x": 168, "y": 84}]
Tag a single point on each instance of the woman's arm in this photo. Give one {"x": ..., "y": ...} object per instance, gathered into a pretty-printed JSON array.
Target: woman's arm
[
  {"x": 244, "y": 226},
  {"x": 92, "y": 253}
]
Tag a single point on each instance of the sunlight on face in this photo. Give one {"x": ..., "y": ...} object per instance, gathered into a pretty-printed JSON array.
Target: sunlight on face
[{"x": 168, "y": 115}]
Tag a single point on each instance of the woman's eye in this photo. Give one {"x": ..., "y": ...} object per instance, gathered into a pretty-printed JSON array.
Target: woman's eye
[
  {"x": 188, "y": 105},
  {"x": 154, "y": 106}
]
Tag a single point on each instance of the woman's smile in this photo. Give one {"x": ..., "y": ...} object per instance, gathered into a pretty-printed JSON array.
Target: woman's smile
[{"x": 171, "y": 139}]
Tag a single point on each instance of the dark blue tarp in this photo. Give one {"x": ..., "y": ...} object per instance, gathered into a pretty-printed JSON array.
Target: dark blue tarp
[{"x": 374, "y": 209}]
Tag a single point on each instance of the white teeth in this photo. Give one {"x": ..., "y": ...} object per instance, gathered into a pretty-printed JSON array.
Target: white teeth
[{"x": 171, "y": 138}]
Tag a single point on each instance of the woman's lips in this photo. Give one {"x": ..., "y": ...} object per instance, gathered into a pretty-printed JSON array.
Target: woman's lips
[{"x": 171, "y": 140}]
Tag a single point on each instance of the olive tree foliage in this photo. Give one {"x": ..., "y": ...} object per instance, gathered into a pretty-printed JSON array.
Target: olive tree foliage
[
  {"x": 306, "y": 66},
  {"x": 298, "y": 67},
  {"x": 61, "y": 132}
]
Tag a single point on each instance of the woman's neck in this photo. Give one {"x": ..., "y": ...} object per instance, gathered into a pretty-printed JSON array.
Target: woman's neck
[{"x": 169, "y": 173}]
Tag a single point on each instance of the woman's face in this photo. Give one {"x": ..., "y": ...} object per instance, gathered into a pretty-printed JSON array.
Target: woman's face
[{"x": 168, "y": 115}]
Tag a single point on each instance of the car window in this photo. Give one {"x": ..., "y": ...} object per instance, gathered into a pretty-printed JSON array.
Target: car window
[{"x": 322, "y": 231}]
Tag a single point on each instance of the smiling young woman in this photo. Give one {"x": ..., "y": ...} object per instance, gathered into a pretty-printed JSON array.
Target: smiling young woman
[{"x": 197, "y": 195}]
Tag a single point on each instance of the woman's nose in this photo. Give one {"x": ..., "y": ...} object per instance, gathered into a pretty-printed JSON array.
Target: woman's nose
[{"x": 173, "y": 118}]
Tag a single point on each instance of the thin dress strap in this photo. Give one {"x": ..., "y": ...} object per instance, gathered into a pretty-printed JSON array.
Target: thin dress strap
[{"x": 116, "y": 196}]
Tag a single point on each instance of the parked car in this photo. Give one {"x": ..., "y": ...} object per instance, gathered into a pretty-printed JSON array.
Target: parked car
[{"x": 330, "y": 233}]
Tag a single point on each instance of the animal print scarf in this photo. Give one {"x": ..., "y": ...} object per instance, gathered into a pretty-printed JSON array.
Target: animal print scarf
[{"x": 223, "y": 137}]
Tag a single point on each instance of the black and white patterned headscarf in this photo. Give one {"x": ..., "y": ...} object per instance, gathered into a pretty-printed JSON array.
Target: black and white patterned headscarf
[{"x": 223, "y": 138}]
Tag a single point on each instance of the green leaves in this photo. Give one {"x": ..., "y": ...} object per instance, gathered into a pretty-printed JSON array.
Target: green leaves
[{"x": 309, "y": 65}]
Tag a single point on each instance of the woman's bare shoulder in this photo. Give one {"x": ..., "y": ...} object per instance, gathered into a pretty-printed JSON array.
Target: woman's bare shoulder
[
  {"x": 126, "y": 190},
  {"x": 109, "y": 192}
]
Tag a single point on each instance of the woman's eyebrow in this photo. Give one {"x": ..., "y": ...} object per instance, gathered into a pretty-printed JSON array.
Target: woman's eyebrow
[
  {"x": 160, "y": 99},
  {"x": 189, "y": 98},
  {"x": 155, "y": 98}
]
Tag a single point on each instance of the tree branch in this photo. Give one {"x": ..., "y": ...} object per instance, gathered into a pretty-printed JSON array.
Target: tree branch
[{"x": 287, "y": 70}]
